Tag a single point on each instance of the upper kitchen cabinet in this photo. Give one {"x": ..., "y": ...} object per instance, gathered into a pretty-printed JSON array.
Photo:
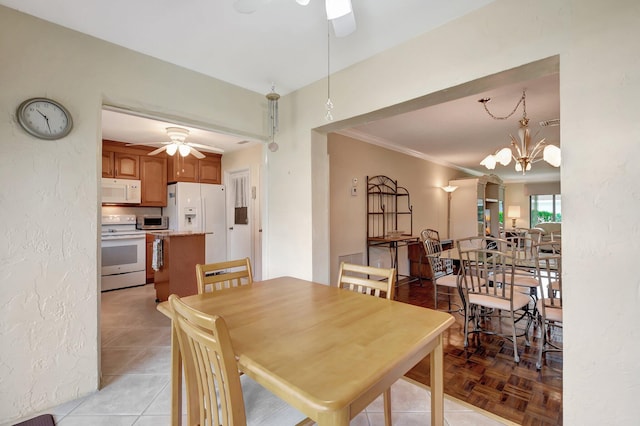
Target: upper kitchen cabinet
[
  {"x": 120, "y": 165},
  {"x": 210, "y": 169},
  {"x": 127, "y": 162},
  {"x": 153, "y": 174},
  {"x": 182, "y": 169},
  {"x": 190, "y": 169}
]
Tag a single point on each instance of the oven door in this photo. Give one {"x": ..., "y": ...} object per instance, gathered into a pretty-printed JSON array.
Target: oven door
[{"x": 123, "y": 254}]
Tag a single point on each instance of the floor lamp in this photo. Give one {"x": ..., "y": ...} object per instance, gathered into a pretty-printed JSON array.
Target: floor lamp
[{"x": 449, "y": 190}]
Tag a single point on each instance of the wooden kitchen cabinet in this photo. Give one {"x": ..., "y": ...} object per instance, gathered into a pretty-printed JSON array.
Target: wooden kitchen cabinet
[
  {"x": 108, "y": 169},
  {"x": 149, "y": 259},
  {"x": 191, "y": 169},
  {"x": 119, "y": 165},
  {"x": 182, "y": 169},
  {"x": 210, "y": 169},
  {"x": 153, "y": 174},
  {"x": 181, "y": 252}
]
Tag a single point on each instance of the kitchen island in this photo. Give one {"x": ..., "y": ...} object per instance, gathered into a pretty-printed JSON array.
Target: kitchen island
[{"x": 176, "y": 255}]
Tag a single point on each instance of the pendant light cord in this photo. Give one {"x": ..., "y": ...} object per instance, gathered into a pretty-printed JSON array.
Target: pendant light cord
[{"x": 329, "y": 105}]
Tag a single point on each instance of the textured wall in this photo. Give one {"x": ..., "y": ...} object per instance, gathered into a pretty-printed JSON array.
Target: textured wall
[{"x": 49, "y": 205}]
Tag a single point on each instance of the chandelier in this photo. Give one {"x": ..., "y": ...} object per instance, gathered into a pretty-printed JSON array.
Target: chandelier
[{"x": 525, "y": 153}]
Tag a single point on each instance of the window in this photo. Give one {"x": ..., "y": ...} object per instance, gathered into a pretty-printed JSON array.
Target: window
[{"x": 545, "y": 208}]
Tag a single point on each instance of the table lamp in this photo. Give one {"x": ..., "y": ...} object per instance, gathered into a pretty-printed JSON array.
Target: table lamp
[{"x": 513, "y": 212}]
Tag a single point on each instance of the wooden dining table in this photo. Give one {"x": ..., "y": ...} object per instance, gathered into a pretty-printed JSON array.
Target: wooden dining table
[{"x": 325, "y": 351}]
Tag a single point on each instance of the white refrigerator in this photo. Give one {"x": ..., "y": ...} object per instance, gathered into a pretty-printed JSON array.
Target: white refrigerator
[{"x": 200, "y": 207}]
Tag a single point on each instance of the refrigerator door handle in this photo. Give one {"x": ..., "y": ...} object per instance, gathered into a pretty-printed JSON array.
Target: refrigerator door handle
[{"x": 203, "y": 222}]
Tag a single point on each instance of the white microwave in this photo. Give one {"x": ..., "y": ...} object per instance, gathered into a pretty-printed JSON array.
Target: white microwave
[{"x": 121, "y": 191}]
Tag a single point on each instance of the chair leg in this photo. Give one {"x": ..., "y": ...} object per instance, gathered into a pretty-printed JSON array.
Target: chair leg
[
  {"x": 516, "y": 357},
  {"x": 466, "y": 325},
  {"x": 387, "y": 407},
  {"x": 543, "y": 341}
]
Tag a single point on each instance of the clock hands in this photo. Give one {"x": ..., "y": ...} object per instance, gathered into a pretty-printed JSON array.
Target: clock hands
[{"x": 46, "y": 119}]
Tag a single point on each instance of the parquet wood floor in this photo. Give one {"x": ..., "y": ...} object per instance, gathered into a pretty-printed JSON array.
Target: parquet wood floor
[{"x": 486, "y": 376}]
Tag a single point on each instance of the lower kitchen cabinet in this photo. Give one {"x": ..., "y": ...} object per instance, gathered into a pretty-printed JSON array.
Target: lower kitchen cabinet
[{"x": 149, "y": 259}]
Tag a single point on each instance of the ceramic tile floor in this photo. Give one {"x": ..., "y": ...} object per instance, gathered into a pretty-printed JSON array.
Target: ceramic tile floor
[{"x": 136, "y": 382}]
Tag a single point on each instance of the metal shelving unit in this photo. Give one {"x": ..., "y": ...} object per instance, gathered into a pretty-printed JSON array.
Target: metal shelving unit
[{"x": 389, "y": 217}]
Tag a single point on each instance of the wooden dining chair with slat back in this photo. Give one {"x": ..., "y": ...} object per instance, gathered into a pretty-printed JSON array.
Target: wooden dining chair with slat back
[
  {"x": 378, "y": 282},
  {"x": 218, "y": 276},
  {"x": 215, "y": 390}
]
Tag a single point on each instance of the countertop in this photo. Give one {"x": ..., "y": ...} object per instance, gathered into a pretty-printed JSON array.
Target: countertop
[{"x": 170, "y": 233}]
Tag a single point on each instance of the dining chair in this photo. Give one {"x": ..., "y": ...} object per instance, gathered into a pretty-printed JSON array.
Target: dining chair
[
  {"x": 209, "y": 361},
  {"x": 487, "y": 265},
  {"x": 549, "y": 305},
  {"x": 442, "y": 272},
  {"x": 379, "y": 282},
  {"x": 217, "y": 276},
  {"x": 370, "y": 280}
]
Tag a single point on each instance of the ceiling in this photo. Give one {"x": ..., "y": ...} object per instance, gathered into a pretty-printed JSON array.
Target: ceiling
[{"x": 255, "y": 50}]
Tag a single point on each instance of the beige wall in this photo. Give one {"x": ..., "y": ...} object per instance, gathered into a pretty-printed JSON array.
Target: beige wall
[
  {"x": 49, "y": 203},
  {"x": 349, "y": 159},
  {"x": 514, "y": 195}
]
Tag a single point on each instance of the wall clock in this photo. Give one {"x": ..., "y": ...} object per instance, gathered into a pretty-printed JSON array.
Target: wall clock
[{"x": 44, "y": 118}]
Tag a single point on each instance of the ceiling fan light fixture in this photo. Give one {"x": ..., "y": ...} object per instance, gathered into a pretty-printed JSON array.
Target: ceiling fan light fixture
[
  {"x": 337, "y": 8},
  {"x": 184, "y": 150},
  {"x": 171, "y": 149},
  {"x": 177, "y": 134},
  {"x": 344, "y": 25}
]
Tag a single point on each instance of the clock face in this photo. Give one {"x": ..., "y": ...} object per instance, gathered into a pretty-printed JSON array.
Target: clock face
[{"x": 44, "y": 118}]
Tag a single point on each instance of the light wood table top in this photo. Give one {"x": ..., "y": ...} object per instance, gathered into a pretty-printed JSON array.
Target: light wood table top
[{"x": 326, "y": 351}]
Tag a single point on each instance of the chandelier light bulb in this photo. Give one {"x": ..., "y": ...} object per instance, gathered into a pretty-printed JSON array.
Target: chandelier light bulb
[
  {"x": 171, "y": 149},
  {"x": 551, "y": 155},
  {"x": 504, "y": 156},
  {"x": 489, "y": 162},
  {"x": 184, "y": 150},
  {"x": 273, "y": 146}
]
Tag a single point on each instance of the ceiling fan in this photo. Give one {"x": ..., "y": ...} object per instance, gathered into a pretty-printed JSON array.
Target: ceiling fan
[
  {"x": 178, "y": 136},
  {"x": 339, "y": 13}
]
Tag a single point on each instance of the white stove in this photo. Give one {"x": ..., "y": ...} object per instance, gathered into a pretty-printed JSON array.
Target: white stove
[{"x": 123, "y": 253}]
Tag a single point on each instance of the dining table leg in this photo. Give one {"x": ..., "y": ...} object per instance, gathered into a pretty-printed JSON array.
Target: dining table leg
[{"x": 437, "y": 384}]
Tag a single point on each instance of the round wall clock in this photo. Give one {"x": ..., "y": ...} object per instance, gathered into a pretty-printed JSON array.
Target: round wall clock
[{"x": 44, "y": 118}]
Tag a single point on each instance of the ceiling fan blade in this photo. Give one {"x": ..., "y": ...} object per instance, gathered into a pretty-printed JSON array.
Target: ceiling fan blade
[
  {"x": 158, "y": 151},
  {"x": 206, "y": 147},
  {"x": 142, "y": 143},
  {"x": 196, "y": 153},
  {"x": 344, "y": 25}
]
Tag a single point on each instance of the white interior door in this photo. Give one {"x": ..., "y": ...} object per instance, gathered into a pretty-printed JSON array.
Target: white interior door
[{"x": 239, "y": 215}]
